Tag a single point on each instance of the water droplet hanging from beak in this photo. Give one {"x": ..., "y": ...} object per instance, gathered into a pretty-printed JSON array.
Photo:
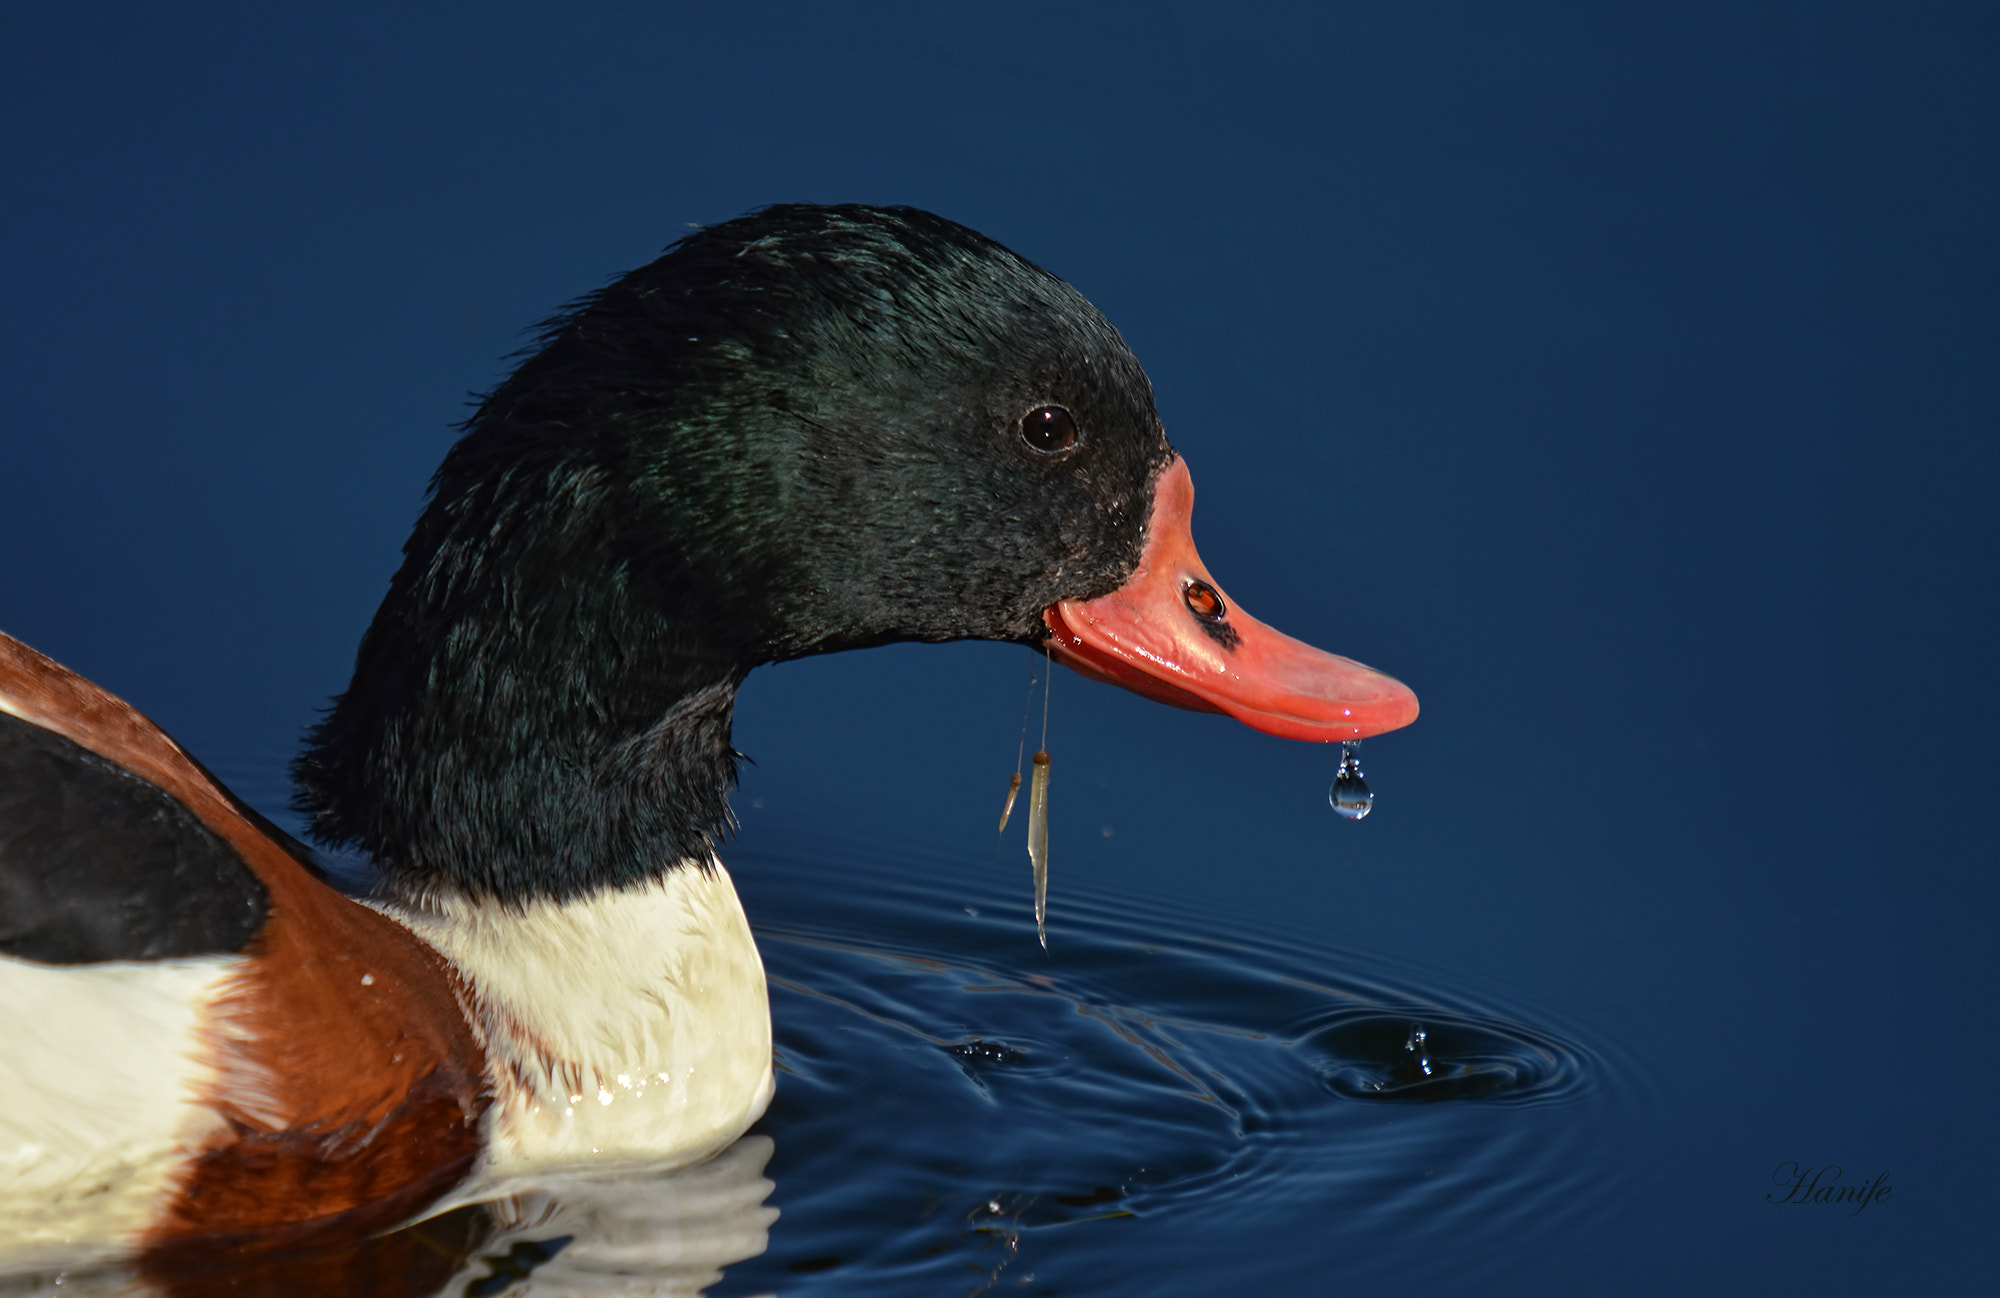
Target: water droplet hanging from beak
[{"x": 1350, "y": 795}]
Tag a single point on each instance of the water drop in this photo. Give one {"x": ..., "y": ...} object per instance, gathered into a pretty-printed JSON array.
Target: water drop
[
  {"x": 1415, "y": 1045},
  {"x": 1350, "y": 795}
]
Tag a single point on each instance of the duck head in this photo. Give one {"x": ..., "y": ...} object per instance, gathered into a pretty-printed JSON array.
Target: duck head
[{"x": 806, "y": 430}]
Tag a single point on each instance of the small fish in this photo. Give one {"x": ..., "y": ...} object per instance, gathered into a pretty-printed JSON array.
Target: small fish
[
  {"x": 1013, "y": 792},
  {"x": 1038, "y": 843}
]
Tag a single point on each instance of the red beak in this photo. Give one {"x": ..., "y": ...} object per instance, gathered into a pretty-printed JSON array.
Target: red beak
[{"x": 1171, "y": 635}]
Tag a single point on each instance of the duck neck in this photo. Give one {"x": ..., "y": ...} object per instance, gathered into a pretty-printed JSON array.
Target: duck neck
[{"x": 527, "y": 720}]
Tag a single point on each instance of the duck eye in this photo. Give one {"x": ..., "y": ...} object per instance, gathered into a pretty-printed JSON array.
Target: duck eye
[
  {"x": 1204, "y": 601},
  {"x": 1049, "y": 429}
]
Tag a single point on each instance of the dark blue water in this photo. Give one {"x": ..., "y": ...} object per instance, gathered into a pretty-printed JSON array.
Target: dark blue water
[
  {"x": 951, "y": 1100},
  {"x": 1619, "y": 376}
]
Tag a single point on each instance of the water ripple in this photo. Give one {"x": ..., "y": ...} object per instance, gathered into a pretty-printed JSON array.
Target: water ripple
[{"x": 954, "y": 1104}]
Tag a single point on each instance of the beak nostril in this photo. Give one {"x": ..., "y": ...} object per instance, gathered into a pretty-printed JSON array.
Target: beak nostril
[{"x": 1204, "y": 601}]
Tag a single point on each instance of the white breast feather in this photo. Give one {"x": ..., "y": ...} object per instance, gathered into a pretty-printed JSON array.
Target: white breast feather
[
  {"x": 99, "y": 1066},
  {"x": 629, "y": 1027}
]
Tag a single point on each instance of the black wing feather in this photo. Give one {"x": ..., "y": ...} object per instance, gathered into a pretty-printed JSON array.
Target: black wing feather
[{"x": 97, "y": 864}]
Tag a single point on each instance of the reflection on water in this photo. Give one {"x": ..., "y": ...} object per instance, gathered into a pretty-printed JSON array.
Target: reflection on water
[
  {"x": 666, "y": 1235},
  {"x": 1146, "y": 1107},
  {"x": 663, "y": 1236}
]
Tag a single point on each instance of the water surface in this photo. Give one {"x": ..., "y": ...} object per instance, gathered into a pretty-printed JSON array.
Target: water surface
[{"x": 956, "y": 1108}]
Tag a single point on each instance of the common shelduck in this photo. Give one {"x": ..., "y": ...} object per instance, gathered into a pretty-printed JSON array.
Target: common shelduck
[{"x": 806, "y": 430}]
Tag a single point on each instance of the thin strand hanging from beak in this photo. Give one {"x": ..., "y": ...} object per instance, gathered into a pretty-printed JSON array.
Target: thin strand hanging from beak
[
  {"x": 1038, "y": 815},
  {"x": 1013, "y": 792},
  {"x": 1014, "y": 785},
  {"x": 1038, "y": 843}
]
